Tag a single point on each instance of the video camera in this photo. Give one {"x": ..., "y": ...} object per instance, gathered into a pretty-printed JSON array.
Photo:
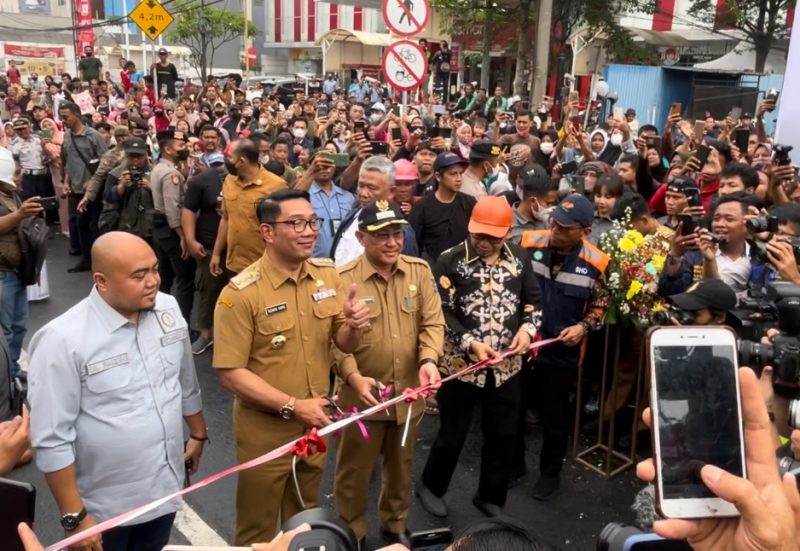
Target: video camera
[
  {"x": 758, "y": 250},
  {"x": 617, "y": 536}
]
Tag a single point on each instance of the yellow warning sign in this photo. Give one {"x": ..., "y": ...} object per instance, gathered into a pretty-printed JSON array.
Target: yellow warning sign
[{"x": 152, "y": 18}]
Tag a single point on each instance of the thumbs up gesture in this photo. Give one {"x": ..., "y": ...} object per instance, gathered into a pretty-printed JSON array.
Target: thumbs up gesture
[{"x": 356, "y": 312}]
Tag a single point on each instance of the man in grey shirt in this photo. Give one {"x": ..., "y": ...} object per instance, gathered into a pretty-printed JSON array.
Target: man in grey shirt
[
  {"x": 83, "y": 146},
  {"x": 110, "y": 382},
  {"x": 538, "y": 195}
]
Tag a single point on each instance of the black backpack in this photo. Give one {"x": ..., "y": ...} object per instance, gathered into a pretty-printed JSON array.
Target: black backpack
[{"x": 33, "y": 233}]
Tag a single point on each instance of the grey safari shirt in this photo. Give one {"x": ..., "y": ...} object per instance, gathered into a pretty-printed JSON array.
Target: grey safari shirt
[{"x": 110, "y": 397}]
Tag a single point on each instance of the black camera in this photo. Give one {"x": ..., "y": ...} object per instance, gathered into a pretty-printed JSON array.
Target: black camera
[
  {"x": 136, "y": 175},
  {"x": 622, "y": 537},
  {"x": 672, "y": 314},
  {"x": 327, "y": 532},
  {"x": 782, "y": 154},
  {"x": 762, "y": 224}
]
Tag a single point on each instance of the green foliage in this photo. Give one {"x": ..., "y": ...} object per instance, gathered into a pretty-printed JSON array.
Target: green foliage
[{"x": 205, "y": 29}]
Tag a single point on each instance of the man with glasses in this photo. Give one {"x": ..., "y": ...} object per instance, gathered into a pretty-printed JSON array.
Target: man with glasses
[
  {"x": 490, "y": 299},
  {"x": 569, "y": 270},
  {"x": 274, "y": 324},
  {"x": 401, "y": 348}
]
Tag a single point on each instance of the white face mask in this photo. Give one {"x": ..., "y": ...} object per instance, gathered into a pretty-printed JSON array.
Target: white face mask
[
  {"x": 543, "y": 214},
  {"x": 546, "y": 147},
  {"x": 299, "y": 133},
  {"x": 263, "y": 121},
  {"x": 375, "y": 118},
  {"x": 616, "y": 139}
]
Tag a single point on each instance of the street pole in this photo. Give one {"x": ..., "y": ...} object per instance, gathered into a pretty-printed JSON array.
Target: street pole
[
  {"x": 155, "y": 69},
  {"x": 486, "y": 58},
  {"x": 542, "y": 50},
  {"x": 246, "y": 43}
]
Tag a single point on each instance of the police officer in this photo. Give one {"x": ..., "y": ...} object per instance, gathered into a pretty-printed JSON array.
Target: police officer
[
  {"x": 36, "y": 180},
  {"x": 110, "y": 160},
  {"x": 128, "y": 191},
  {"x": 167, "y": 181},
  {"x": 274, "y": 324},
  {"x": 569, "y": 270},
  {"x": 111, "y": 383},
  {"x": 401, "y": 348}
]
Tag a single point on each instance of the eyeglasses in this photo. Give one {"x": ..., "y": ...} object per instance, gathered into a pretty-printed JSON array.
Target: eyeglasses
[
  {"x": 300, "y": 225},
  {"x": 487, "y": 238},
  {"x": 384, "y": 236}
]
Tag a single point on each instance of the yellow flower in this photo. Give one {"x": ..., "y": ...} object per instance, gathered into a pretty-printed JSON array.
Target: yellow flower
[
  {"x": 658, "y": 262},
  {"x": 633, "y": 289},
  {"x": 626, "y": 245},
  {"x": 657, "y": 307},
  {"x": 635, "y": 236}
]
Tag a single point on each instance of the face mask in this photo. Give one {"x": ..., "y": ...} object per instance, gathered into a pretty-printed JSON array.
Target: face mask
[
  {"x": 219, "y": 113},
  {"x": 263, "y": 121},
  {"x": 543, "y": 215},
  {"x": 182, "y": 155},
  {"x": 263, "y": 159},
  {"x": 546, "y": 147},
  {"x": 493, "y": 172},
  {"x": 231, "y": 168},
  {"x": 616, "y": 139},
  {"x": 299, "y": 133},
  {"x": 159, "y": 113},
  {"x": 375, "y": 118}
]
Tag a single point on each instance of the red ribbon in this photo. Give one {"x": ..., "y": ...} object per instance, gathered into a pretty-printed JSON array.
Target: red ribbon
[{"x": 309, "y": 444}]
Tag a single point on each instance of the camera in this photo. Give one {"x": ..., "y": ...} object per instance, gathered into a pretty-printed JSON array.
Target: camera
[
  {"x": 782, "y": 154},
  {"x": 327, "y": 532},
  {"x": 762, "y": 224},
  {"x": 136, "y": 175},
  {"x": 617, "y": 536},
  {"x": 672, "y": 314}
]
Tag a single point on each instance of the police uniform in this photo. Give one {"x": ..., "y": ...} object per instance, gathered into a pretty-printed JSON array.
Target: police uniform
[
  {"x": 281, "y": 330},
  {"x": 110, "y": 160},
  {"x": 406, "y": 330},
  {"x": 167, "y": 185},
  {"x": 36, "y": 178}
]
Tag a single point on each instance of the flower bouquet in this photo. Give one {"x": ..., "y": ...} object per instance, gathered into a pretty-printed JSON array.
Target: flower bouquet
[{"x": 634, "y": 268}]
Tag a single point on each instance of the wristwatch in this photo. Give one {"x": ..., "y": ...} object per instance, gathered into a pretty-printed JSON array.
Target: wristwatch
[
  {"x": 71, "y": 521},
  {"x": 287, "y": 411}
]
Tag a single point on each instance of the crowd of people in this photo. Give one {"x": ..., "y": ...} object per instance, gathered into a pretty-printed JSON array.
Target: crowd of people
[{"x": 339, "y": 248}]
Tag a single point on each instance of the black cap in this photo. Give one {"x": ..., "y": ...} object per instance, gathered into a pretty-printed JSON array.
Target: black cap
[
  {"x": 707, "y": 293},
  {"x": 681, "y": 184},
  {"x": 137, "y": 123},
  {"x": 171, "y": 135},
  {"x": 533, "y": 176},
  {"x": 380, "y": 214},
  {"x": 483, "y": 149},
  {"x": 136, "y": 146},
  {"x": 162, "y": 51},
  {"x": 747, "y": 116}
]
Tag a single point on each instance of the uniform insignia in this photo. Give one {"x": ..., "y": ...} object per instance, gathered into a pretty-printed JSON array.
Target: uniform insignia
[
  {"x": 444, "y": 282},
  {"x": 275, "y": 309},
  {"x": 319, "y": 283},
  {"x": 167, "y": 320},
  {"x": 323, "y": 293},
  {"x": 322, "y": 262},
  {"x": 693, "y": 287},
  {"x": 278, "y": 342},
  {"x": 226, "y": 302},
  {"x": 382, "y": 204},
  {"x": 412, "y": 289},
  {"x": 537, "y": 255},
  {"x": 245, "y": 278},
  {"x": 175, "y": 180},
  {"x": 105, "y": 162}
]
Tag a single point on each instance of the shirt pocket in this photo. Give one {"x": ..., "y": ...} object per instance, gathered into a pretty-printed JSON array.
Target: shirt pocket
[
  {"x": 324, "y": 313},
  {"x": 171, "y": 356},
  {"x": 109, "y": 386},
  {"x": 276, "y": 331},
  {"x": 373, "y": 333}
]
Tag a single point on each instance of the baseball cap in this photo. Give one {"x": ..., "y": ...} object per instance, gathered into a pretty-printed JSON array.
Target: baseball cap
[
  {"x": 747, "y": 116},
  {"x": 136, "y": 146},
  {"x": 21, "y": 123},
  {"x": 446, "y": 159},
  {"x": 378, "y": 106},
  {"x": 162, "y": 51},
  {"x": 171, "y": 135},
  {"x": 380, "y": 214},
  {"x": 574, "y": 210},
  {"x": 215, "y": 158},
  {"x": 680, "y": 184},
  {"x": 707, "y": 293},
  {"x": 483, "y": 149},
  {"x": 406, "y": 170},
  {"x": 491, "y": 215}
]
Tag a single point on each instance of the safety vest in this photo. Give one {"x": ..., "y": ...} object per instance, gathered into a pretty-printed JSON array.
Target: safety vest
[{"x": 565, "y": 296}]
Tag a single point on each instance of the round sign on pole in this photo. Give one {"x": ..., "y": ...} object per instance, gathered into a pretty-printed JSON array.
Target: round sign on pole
[
  {"x": 404, "y": 65},
  {"x": 406, "y": 17},
  {"x": 251, "y": 54}
]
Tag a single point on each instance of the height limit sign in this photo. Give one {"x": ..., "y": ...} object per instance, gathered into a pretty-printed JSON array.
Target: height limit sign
[
  {"x": 151, "y": 17},
  {"x": 404, "y": 65},
  {"x": 406, "y": 17}
]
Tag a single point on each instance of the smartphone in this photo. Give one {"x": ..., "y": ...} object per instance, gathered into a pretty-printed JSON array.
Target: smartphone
[
  {"x": 568, "y": 168},
  {"x": 45, "y": 134},
  {"x": 736, "y": 114},
  {"x": 438, "y": 109},
  {"x": 340, "y": 160},
  {"x": 437, "y": 539},
  {"x": 359, "y": 126},
  {"x": 773, "y": 95},
  {"x": 702, "y": 153},
  {"x": 675, "y": 109},
  {"x": 397, "y": 133},
  {"x": 322, "y": 111},
  {"x": 697, "y": 417},
  {"x": 576, "y": 121},
  {"x": 49, "y": 203},
  {"x": 444, "y": 132},
  {"x": 741, "y": 137},
  {"x": 653, "y": 141},
  {"x": 688, "y": 223},
  {"x": 17, "y": 504},
  {"x": 699, "y": 130},
  {"x": 693, "y": 194},
  {"x": 379, "y": 148},
  {"x": 579, "y": 184}
]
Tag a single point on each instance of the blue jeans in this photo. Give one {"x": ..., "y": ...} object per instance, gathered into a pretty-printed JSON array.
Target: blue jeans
[
  {"x": 148, "y": 536},
  {"x": 13, "y": 315}
]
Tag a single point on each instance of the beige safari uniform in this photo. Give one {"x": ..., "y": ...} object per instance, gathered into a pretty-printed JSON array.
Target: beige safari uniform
[
  {"x": 239, "y": 201},
  {"x": 407, "y": 327},
  {"x": 281, "y": 330},
  {"x": 167, "y": 186}
]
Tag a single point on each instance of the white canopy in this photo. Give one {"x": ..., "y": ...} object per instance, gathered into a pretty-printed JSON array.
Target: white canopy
[{"x": 742, "y": 59}]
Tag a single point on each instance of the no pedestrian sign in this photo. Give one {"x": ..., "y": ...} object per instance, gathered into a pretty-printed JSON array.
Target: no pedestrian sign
[
  {"x": 406, "y": 17},
  {"x": 152, "y": 18},
  {"x": 404, "y": 65}
]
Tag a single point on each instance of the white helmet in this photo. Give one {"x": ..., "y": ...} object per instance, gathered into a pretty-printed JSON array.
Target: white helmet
[{"x": 7, "y": 167}]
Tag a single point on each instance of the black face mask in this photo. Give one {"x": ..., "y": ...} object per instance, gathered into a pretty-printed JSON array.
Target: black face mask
[
  {"x": 182, "y": 155},
  {"x": 159, "y": 113},
  {"x": 219, "y": 113},
  {"x": 88, "y": 54},
  {"x": 231, "y": 168}
]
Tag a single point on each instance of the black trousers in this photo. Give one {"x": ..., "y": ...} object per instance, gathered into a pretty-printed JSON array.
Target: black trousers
[
  {"x": 148, "y": 536},
  {"x": 556, "y": 384},
  {"x": 83, "y": 224},
  {"x": 175, "y": 270},
  {"x": 499, "y": 410},
  {"x": 40, "y": 185}
]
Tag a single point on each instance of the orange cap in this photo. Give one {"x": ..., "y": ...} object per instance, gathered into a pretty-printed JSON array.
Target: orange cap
[{"x": 491, "y": 216}]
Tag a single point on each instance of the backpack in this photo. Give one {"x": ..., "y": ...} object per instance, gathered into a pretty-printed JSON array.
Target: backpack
[{"x": 33, "y": 233}]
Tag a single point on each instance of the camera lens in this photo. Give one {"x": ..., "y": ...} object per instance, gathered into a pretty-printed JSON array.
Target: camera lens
[
  {"x": 787, "y": 465},
  {"x": 755, "y": 354},
  {"x": 794, "y": 413},
  {"x": 613, "y": 536}
]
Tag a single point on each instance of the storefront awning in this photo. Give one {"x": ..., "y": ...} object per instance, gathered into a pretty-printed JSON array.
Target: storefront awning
[{"x": 361, "y": 37}]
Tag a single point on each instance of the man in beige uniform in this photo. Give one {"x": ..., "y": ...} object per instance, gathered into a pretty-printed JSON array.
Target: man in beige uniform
[
  {"x": 274, "y": 324},
  {"x": 246, "y": 184},
  {"x": 400, "y": 348}
]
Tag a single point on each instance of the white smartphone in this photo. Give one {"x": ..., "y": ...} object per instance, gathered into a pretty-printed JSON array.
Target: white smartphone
[{"x": 697, "y": 417}]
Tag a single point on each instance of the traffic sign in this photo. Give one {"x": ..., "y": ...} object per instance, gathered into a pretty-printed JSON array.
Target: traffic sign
[
  {"x": 152, "y": 18},
  {"x": 405, "y": 65},
  {"x": 252, "y": 55},
  {"x": 406, "y": 17}
]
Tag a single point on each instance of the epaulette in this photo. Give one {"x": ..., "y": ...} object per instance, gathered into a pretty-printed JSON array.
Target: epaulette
[
  {"x": 246, "y": 277},
  {"x": 322, "y": 262},
  {"x": 418, "y": 260}
]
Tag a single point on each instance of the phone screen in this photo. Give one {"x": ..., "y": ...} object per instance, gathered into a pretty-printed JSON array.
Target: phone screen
[
  {"x": 687, "y": 222},
  {"x": 696, "y": 391},
  {"x": 397, "y": 133},
  {"x": 17, "y": 504},
  {"x": 736, "y": 113}
]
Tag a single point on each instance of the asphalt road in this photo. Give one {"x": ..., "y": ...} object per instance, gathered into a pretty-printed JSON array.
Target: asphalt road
[{"x": 570, "y": 521}]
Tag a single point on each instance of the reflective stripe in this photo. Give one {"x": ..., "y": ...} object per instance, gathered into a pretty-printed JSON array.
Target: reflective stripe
[
  {"x": 541, "y": 269},
  {"x": 594, "y": 256},
  {"x": 535, "y": 239},
  {"x": 577, "y": 280}
]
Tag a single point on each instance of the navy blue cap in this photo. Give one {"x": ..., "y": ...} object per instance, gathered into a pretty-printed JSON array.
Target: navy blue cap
[
  {"x": 446, "y": 159},
  {"x": 574, "y": 210}
]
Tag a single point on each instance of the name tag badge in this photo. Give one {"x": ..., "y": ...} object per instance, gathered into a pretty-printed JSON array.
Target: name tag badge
[
  {"x": 323, "y": 294},
  {"x": 167, "y": 320},
  {"x": 368, "y": 300},
  {"x": 174, "y": 336},
  {"x": 336, "y": 224},
  {"x": 275, "y": 309},
  {"x": 108, "y": 363}
]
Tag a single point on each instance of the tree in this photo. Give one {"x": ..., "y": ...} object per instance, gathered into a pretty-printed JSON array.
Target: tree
[
  {"x": 763, "y": 22},
  {"x": 205, "y": 29}
]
